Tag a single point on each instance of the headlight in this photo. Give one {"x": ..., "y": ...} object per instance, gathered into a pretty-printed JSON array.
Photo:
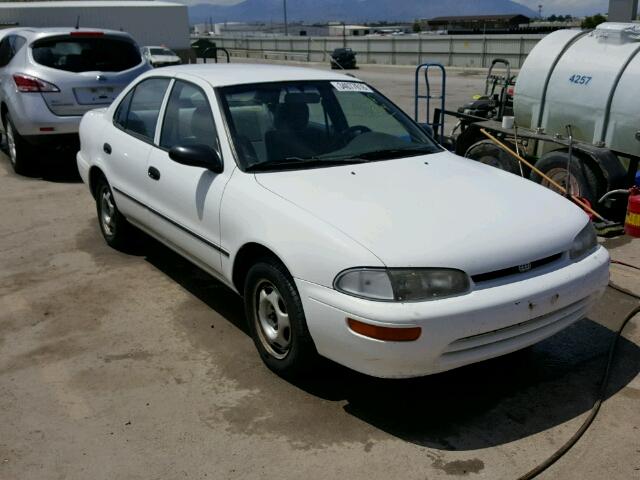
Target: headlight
[
  {"x": 402, "y": 284},
  {"x": 584, "y": 242}
]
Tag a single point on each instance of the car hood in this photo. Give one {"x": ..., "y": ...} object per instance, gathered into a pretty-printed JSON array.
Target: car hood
[{"x": 437, "y": 210}]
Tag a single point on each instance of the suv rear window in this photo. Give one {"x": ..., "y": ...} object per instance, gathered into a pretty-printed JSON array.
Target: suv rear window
[{"x": 74, "y": 54}]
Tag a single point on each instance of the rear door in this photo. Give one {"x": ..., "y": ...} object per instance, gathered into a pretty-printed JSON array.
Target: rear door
[
  {"x": 90, "y": 69},
  {"x": 128, "y": 143}
]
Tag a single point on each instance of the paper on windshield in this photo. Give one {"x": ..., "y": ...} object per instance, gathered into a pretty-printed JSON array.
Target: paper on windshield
[{"x": 351, "y": 87}]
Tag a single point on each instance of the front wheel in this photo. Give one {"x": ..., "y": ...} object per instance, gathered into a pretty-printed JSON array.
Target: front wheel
[{"x": 276, "y": 319}]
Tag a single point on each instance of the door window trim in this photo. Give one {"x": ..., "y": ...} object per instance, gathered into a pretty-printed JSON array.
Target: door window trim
[
  {"x": 162, "y": 118},
  {"x": 132, "y": 91}
]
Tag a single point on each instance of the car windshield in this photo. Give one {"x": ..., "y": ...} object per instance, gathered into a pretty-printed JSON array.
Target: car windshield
[
  {"x": 304, "y": 124},
  {"x": 161, "y": 51},
  {"x": 86, "y": 54}
]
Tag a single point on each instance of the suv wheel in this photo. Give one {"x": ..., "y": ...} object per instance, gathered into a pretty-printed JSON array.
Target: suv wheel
[
  {"x": 276, "y": 319},
  {"x": 18, "y": 149},
  {"x": 115, "y": 228}
]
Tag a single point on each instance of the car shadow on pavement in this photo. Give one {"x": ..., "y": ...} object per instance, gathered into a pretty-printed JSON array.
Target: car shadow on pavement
[
  {"x": 493, "y": 402},
  {"x": 482, "y": 405},
  {"x": 51, "y": 166}
]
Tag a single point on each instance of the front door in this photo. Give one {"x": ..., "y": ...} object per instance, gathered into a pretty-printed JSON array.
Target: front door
[{"x": 185, "y": 199}]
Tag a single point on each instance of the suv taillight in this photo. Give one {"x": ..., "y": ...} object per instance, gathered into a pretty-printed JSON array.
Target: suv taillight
[{"x": 27, "y": 83}]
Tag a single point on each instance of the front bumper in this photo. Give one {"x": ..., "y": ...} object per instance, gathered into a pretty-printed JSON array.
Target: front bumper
[{"x": 456, "y": 331}]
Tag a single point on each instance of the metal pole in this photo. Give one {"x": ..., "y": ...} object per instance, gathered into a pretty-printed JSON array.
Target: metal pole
[
  {"x": 286, "y": 28},
  {"x": 344, "y": 35}
]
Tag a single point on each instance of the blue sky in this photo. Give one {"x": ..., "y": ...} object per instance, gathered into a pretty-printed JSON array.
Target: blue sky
[{"x": 559, "y": 7}]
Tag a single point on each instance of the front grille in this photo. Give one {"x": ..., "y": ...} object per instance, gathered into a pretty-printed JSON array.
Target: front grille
[
  {"x": 505, "y": 272},
  {"x": 522, "y": 333}
]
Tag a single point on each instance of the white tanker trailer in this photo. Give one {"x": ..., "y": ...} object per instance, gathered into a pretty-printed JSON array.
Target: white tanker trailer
[{"x": 587, "y": 80}]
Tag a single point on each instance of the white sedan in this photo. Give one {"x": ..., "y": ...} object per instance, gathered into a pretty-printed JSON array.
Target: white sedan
[{"x": 350, "y": 233}]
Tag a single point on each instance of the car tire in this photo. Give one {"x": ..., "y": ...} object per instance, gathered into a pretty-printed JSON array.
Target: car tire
[
  {"x": 115, "y": 228},
  {"x": 583, "y": 178},
  {"x": 276, "y": 319},
  {"x": 487, "y": 152},
  {"x": 19, "y": 151}
]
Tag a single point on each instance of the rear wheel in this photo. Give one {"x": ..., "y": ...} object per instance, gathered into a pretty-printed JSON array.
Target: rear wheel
[
  {"x": 582, "y": 181},
  {"x": 20, "y": 153},
  {"x": 487, "y": 152},
  {"x": 115, "y": 228},
  {"x": 276, "y": 319}
]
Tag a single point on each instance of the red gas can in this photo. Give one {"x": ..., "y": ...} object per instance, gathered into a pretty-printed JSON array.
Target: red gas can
[{"x": 632, "y": 221}]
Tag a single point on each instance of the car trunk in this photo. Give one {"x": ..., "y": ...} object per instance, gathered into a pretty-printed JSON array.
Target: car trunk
[{"x": 90, "y": 70}]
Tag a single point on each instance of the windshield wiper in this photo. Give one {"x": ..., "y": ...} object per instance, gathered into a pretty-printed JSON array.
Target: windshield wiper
[
  {"x": 298, "y": 162},
  {"x": 387, "y": 153}
]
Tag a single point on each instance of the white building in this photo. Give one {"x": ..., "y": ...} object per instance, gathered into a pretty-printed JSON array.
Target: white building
[
  {"x": 336, "y": 30},
  {"x": 150, "y": 22}
]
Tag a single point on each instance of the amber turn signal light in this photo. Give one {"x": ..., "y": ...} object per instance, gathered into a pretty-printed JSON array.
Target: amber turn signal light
[{"x": 391, "y": 334}]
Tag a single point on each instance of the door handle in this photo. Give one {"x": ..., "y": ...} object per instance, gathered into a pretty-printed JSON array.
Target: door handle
[
  {"x": 107, "y": 148},
  {"x": 154, "y": 173}
]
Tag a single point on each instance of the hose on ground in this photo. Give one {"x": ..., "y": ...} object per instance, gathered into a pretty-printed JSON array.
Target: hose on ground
[{"x": 601, "y": 393}]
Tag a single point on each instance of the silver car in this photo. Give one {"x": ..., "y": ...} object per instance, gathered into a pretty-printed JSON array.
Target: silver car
[{"x": 50, "y": 77}]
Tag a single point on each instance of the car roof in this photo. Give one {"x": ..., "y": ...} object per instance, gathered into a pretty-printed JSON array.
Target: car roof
[
  {"x": 37, "y": 33},
  {"x": 226, "y": 74}
]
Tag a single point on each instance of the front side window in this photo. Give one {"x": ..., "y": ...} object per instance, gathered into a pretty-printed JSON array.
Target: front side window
[
  {"x": 188, "y": 118},
  {"x": 139, "y": 110},
  {"x": 86, "y": 54},
  {"x": 318, "y": 123}
]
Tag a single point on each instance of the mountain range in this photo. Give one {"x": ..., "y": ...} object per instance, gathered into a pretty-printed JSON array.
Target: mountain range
[{"x": 310, "y": 11}]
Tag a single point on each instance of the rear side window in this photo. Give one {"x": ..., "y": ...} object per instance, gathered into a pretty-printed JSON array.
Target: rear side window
[
  {"x": 9, "y": 46},
  {"x": 79, "y": 54},
  {"x": 139, "y": 110},
  {"x": 120, "y": 117}
]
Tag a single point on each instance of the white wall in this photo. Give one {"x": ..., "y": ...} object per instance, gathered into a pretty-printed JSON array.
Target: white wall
[
  {"x": 167, "y": 24},
  {"x": 451, "y": 50}
]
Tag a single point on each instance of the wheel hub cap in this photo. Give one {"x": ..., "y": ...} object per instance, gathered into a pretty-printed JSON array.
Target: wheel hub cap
[
  {"x": 559, "y": 175},
  {"x": 107, "y": 212},
  {"x": 273, "y": 324},
  {"x": 11, "y": 143}
]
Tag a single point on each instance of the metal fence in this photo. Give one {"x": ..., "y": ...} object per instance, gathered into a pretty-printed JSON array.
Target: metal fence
[{"x": 450, "y": 50}]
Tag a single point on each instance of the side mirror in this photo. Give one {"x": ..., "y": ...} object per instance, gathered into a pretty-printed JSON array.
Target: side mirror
[
  {"x": 428, "y": 129},
  {"x": 197, "y": 155}
]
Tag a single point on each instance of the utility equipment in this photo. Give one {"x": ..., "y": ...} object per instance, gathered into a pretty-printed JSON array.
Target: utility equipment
[{"x": 583, "y": 81}]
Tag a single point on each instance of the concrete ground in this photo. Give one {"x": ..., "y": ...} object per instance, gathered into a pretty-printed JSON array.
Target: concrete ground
[{"x": 139, "y": 366}]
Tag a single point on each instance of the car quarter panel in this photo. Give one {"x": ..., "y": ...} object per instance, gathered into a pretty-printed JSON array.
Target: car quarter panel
[{"x": 124, "y": 168}]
